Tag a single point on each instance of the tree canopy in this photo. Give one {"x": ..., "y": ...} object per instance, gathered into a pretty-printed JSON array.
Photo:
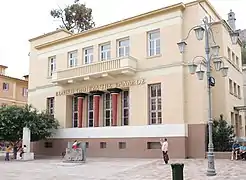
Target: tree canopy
[
  {"x": 223, "y": 135},
  {"x": 14, "y": 118},
  {"x": 75, "y": 18}
]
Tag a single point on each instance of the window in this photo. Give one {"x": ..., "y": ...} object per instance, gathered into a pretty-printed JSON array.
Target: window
[
  {"x": 237, "y": 61},
  {"x": 4, "y": 105},
  {"x": 87, "y": 144},
  {"x": 103, "y": 145},
  {"x": 24, "y": 92},
  {"x": 155, "y": 104},
  {"x": 52, "y": 65},
  {"x": 235, "y": 89},
  {"x": 90, "y": 111},
  {"x": 50, "y": 105},
  {"x": 233, "y": 57},
  {"x": 122, "y": 145},
  {"x": 107, "y": 105},
  {"x": 232, "y": 119},
  {"x": 48, "y": 144},
  {"x": 5, "y": 86},
  {"x": 229, "y": 53},
  {"x": 75, "y": 111},
  {"x": 72, "y": 59},
  {"x": 125, "y": 107},
  {"x": 238, "y": 91},
  {"x": 230, "y": 86},
  {"x": 153, "y": 145},
  {"x": 123, "y": 47},
  {"x": 88, "y": 55},
  {"x": 154, "y": 43},
  {"x": 105, "y": 52}
]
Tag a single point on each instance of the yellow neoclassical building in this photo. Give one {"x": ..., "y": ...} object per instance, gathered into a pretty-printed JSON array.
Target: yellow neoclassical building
[
  {"x": 123, "y": 86},
  {"x": 13, "y": 91}
]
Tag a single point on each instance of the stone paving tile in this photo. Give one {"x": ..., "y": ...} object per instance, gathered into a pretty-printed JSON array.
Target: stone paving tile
[{"x": 118, "y": 169}]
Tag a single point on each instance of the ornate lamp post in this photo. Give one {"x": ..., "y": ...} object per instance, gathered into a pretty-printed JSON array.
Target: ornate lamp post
[{"x": 205, "y": 28}]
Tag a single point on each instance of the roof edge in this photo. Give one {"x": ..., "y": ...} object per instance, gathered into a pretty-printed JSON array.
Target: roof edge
[
  {"x": 50, "y": 33},
  {"x": 13, "y": 78},
  {"x": 117, "y": 23},
  {"x": 226, "y": 25}
]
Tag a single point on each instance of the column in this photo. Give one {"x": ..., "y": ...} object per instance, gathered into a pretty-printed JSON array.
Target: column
[
  {"x": 96, "y": 99},
  {"x": 114, "y": 97},
  {"x": 114, "y": 101},
  {"x": 80, "y": 112}
]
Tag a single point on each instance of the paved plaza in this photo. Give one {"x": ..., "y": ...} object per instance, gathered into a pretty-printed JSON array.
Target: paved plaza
[{"x": 117, "y": 169}]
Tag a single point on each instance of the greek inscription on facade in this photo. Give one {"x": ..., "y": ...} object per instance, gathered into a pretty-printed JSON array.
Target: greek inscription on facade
[{"x": 101, "y": 87}]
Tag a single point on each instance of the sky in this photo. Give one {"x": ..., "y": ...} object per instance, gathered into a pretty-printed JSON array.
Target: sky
[{"x": 22, "y": 20}]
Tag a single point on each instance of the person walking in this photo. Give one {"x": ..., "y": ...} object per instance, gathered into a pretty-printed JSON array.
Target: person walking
[
  {"x": 164, "y": 149},
  {"x": 8, "y": 150}
]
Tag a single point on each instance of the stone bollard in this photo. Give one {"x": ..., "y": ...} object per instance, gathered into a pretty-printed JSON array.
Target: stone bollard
[{"x": 177, "y": 171}]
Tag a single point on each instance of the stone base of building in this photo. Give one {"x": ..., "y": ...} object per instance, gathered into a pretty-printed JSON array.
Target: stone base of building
[{"x": 192, "y": 146}]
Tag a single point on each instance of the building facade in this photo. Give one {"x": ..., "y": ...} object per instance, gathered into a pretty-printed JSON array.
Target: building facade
[
  {"x": 13, "y": 91},
  {"x": 123, "y": 86}
]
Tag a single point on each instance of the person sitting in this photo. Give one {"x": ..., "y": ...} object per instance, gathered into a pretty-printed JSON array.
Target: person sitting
[
  {"x": 23, "y": 150},
  {"x": 235, "y": 150},
  {"x": 243, "y": 151}
]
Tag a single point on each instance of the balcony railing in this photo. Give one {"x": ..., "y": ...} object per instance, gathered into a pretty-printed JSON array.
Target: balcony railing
[{"x": 124, "y": 65}]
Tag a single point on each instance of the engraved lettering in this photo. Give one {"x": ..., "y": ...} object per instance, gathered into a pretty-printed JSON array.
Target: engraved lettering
[{"x": 101, "y": 87}]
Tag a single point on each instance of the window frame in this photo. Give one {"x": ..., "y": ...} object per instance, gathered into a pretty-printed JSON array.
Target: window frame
[
  {"x": 123, "y": 98},
  {"x": 88, "y": 57},
  {"x": 24, "y": 91},
  {"x": 105, "y": 109},
  {"x": 52, "y": 65},
  {"x": 74, "y": 59},
  {"x": 75, "y": 123},
  {"x": 230, "y": 86},
  {"x": 126, "y": 49},
  {"x": 5, "y": 86},
  {"x": 158, "y": 99},
  {"x": 107, "y": 51},
  {"x": 51, "y": 105},
  {"x": 155, "y": 41},
  {"x": 90, "y": 109}
]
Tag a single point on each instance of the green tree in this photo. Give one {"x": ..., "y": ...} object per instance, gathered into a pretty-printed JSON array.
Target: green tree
[
  {"x": 223, "y": 135},
  {"x": 14, "y": 118},
  {"x": 75, "y": 18}
]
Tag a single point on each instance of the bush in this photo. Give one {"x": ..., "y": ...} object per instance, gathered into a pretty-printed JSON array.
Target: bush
[{"x": 223, "y": 135}]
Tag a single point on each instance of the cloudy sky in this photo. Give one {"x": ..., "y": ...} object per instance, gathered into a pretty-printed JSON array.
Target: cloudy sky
[{"x": 22, "y": 20}]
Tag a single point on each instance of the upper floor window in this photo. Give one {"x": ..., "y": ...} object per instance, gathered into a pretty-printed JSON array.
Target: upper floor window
[
  {"x": 237, "y": 61},
  {"x": 88, "y": 55},
  {"x": 238, "y": 91},
  {"x": 50, "y": 105},
  {"x": 229, "y": 53},
  {"x": 155, "y": 104},
  {"x": 5, "y": 86},
  {"x": 154, "y": 46},
  {"x": 105, "y": 52},
  {"x": 52, "y": 65},
  {"x": 72, "y": 59},
  {"x": 123, "y": 47},
  {"x": 24, "y": 91},
  {"x": 230, "y": 86},
  {"x": 233, "y": 57},
  {"x": 235, "y": 89}
]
